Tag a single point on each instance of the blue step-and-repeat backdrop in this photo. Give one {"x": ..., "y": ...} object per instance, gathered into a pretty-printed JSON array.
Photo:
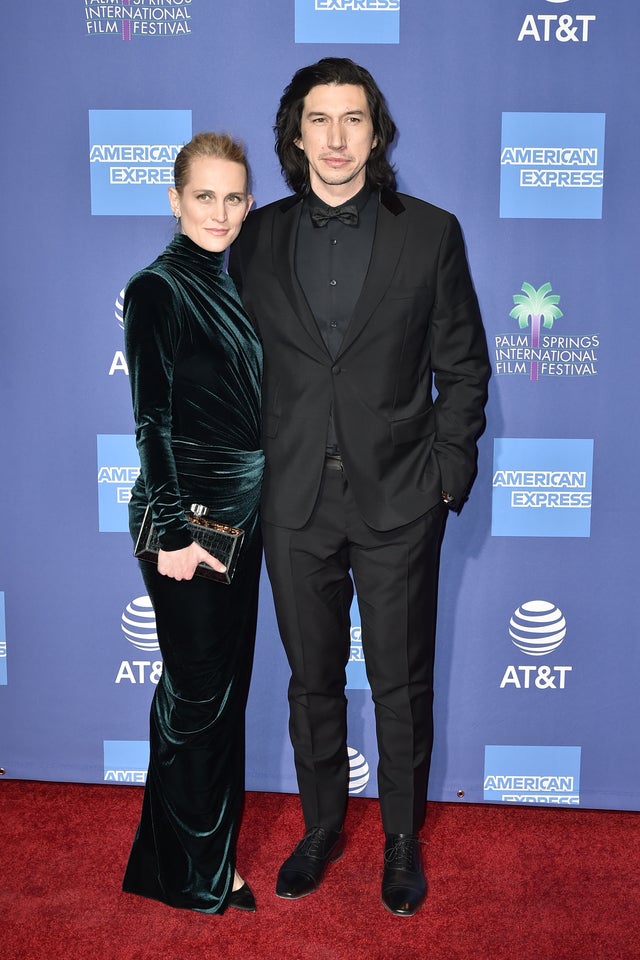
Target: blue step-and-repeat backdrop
[{"x": 518, "y": 115}]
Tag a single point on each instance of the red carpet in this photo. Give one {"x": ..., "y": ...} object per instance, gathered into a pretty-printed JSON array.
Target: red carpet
[{"x": 505, "y": 882}]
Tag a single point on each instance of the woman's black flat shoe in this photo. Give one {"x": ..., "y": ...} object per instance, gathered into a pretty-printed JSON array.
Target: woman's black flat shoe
[{"x": 243, "y": 899}]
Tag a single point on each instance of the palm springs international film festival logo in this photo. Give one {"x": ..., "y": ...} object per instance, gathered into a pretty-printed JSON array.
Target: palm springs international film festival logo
[
  {"x": 537, "y": 628},
  {"x": 129, "y": 19},
  {"x": 552, "y": 165},
  {"x": 347, "y": 21},
  {"x": 538, "y": 349},
  {"x": 558, "y": 27}
]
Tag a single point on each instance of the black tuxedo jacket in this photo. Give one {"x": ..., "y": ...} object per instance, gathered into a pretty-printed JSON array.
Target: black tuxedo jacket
[{"x": 416, "y": 324}]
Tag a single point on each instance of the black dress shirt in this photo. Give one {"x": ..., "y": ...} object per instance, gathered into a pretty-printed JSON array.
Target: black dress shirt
[{"x": 331, "y": 264}]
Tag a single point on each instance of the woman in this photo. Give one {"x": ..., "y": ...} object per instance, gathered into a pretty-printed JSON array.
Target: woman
[{"x": 195, "y": 368}]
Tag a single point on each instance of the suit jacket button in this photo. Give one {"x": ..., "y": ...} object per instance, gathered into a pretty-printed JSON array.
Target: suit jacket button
[{"x": 336, "y": 370}]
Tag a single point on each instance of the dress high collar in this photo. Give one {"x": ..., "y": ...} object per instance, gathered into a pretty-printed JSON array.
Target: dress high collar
[{"x": 182, "y": 245}]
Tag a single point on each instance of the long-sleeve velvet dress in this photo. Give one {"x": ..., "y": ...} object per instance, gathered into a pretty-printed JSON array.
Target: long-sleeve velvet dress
[{"x": 195, "y": 367}]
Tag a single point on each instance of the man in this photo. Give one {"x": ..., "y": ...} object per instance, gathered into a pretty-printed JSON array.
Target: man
[{"x": 362, "y": 298}]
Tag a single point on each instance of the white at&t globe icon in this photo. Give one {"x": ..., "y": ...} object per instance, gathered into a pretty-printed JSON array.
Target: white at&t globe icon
[
  {"x": 139, "y": 624},
  {"x": 537, "y": 627},
  {"x": 358, "y": 771},
  {"x": 119, "y": 308}
]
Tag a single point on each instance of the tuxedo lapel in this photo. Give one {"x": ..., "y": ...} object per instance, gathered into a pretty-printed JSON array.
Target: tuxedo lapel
[
  {"x": 388, "y": 241},
  {"x": 286, "y": 218}
]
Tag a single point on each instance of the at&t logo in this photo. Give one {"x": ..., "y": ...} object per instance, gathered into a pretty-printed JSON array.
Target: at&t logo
[
  {"x": 118, "y": 309},
  {"x": 358, "y": 771},
  {"x": 557, "y": 27},
  {"x": 138, "y": 624},
  {"x": 536, "y": 628},
  {"x": 119, "y": 362}
]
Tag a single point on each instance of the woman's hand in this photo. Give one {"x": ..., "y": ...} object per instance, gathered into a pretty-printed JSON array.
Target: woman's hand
[{"x": 181, "y": 564}]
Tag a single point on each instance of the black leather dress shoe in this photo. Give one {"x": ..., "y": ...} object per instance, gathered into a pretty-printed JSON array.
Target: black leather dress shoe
[
  {"x": 301, "y": 873},
  {"x": 403, "y": 884},
  {"x": 242, "y": 899}
]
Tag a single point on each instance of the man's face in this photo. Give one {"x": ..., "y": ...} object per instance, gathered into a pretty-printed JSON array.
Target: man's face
[{"x": 336, "y": 135}]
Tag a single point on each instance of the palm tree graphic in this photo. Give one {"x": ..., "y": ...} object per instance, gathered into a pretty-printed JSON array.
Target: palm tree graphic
[{"x": 541, "y": 309}]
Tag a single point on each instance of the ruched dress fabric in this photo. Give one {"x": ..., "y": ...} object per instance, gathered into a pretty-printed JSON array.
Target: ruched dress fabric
[{"x": 195, "y": 365}]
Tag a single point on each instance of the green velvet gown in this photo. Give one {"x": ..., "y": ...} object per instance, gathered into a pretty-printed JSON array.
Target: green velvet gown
[{"x": 195, "y": 367}]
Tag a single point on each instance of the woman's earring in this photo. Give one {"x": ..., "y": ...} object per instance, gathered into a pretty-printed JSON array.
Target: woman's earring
[{"x": 177, "y": 216}]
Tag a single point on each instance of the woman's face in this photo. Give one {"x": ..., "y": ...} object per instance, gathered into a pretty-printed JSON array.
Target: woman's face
[{"x": 213, "y": 202}]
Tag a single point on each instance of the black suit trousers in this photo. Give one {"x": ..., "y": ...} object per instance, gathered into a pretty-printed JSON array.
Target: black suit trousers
[{"x": 396, "y": 574}]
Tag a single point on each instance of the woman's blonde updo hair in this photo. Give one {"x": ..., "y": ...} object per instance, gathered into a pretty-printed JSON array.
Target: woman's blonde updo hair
[{"x": 218, "y": 145}]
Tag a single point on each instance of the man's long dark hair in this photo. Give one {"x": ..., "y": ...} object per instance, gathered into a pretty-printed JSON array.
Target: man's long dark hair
[{"x": 332, "y": 70}]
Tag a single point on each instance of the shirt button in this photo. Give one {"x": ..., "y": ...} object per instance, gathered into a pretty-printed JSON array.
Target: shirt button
[
  {"x": 333, "y": 324},
  {"x": 333, "y": 243},
  {"x": 332, "y": 283}
]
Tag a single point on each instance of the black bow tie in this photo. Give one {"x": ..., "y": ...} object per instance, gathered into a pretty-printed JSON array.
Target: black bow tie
[{"x": 345, "y": 214}]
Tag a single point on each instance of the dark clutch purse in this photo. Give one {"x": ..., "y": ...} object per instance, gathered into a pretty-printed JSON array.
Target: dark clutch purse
[{"x": 218, "y": 539}]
